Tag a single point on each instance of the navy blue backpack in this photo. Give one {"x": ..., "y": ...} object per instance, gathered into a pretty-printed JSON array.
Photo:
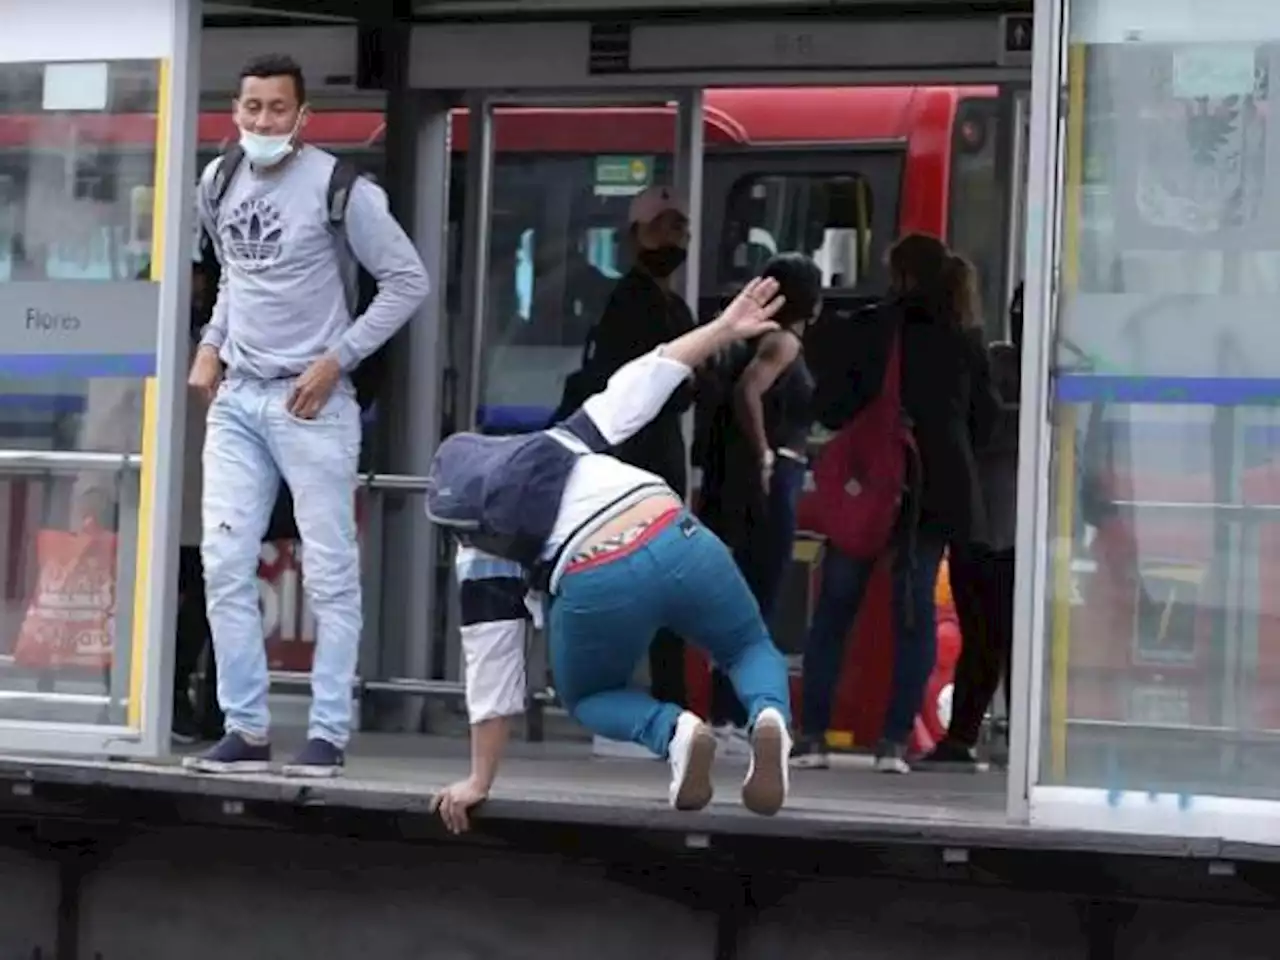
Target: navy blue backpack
[{"x": 501, "y": 495}]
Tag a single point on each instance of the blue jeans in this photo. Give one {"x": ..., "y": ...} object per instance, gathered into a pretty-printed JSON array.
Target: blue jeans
[
  {"x": 764, "y": 558},
  {"x": 768, "y": 549},
  {"x": 844, "y": 584},
  {"x": 253, "y": 442},
  {"x": 603, "y": 618}
]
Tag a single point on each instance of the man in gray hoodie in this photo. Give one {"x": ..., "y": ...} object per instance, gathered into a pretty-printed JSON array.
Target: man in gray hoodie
[{"x": 276, "y": 362}]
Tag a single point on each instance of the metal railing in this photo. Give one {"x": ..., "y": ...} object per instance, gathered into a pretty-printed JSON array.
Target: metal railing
[
  {"x": 45, "y": 462},
  {"x": 66, "y": 461},
  {"x": 76, "y": 461}
]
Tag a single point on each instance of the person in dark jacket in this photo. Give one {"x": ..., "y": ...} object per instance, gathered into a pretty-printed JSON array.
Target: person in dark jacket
[
  {"x": 945, "y": 392},
  {"x": 755, "y": 460},
  {"x": 982, "y": 574},
  {"x": 643, "y": 312}
]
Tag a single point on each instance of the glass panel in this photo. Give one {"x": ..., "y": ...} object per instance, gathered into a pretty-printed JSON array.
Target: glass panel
[
  {"x": 1161, "y": 670},
  {"x": 975, "y": 231},
  {"x": 67, "y": 581},
  {"x": 828, "y": 217},
  {"x": 77, "y": 166},
  {"x": 558, "y": 243}
]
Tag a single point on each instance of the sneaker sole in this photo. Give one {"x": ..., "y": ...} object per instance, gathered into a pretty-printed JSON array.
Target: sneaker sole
[
  {"x": 305, "y": 772},
  {"x": 765, "y": 789},
  {"x": 198, "y": 765},
  {"x": 899, "y": 769},
  {"x": 696, "y": 789}
]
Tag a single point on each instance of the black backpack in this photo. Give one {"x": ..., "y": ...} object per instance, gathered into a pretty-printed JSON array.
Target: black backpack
[{"x": 370, "y": 376}]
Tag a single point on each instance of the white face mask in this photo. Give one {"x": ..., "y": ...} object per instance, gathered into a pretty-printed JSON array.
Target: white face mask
[{"x": 263, "y": 150}]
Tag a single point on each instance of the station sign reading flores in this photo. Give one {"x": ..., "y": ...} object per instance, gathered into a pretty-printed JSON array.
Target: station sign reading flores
[{"x": 77, "y": 319}]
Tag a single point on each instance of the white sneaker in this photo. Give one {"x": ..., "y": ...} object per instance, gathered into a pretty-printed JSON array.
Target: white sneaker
[
  {"x": 769, "y": 776},
  {"x": 734, "y": 741},
  {"x": 691, "y": 754},
  {"x": 891, "y": 758}
]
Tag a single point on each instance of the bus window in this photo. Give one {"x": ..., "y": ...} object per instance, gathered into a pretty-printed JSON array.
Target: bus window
[
  {"x": 828, "y": 217},
  {"x": 557, "y": 245}
]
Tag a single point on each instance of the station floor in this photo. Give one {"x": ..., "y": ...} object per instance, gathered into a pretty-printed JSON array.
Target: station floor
[
  {"x": 402, "y": 772},
  {"x": 563, "y": 782}
]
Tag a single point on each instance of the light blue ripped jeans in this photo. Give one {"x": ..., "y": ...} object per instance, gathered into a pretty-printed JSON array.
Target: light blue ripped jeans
[{"x": 252, "y": 442}]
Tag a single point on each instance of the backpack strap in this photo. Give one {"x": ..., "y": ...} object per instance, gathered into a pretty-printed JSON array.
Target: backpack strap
[
  {"x": 228, "y": 166},
  {"x": 341, "y": 182},
  {"x": 583, "y": 429},
  {"x": 337, "y": 198}
]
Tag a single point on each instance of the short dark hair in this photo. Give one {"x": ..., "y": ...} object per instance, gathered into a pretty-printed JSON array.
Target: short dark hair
[
  {"x": 799, "y": 281},
  {"x": 276, "y": 65}
]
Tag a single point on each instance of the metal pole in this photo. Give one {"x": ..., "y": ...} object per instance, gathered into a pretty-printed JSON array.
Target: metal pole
[
  {"x": 690, "y": 148},
  {"x": 477, "y": 219},
  {"x": 164, "y": 500}
]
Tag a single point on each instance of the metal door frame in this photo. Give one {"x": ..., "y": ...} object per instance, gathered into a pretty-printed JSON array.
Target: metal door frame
[
  {"x": 1035, "y": 434},
  {"x": 479, "y": 197},
  {"x": 1015, "y": 135}
]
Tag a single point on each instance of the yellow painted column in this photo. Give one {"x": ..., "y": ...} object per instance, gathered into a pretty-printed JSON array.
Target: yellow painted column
[
  {"x": 1064, "y": 428},
  {"x": 150, "y": 397}
]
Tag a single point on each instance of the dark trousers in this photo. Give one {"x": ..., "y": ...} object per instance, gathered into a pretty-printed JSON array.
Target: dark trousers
[
  {"x": 763, "y": 549},
  {"x": 844, "y": 584},
  {"x": 666, "y": 669},
  {"x": 194, "y": 638},
  {"x": 982, "y": 585}
]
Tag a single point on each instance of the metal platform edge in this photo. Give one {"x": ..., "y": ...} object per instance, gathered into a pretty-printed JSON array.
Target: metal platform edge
[{"x": 22, "y": 779}]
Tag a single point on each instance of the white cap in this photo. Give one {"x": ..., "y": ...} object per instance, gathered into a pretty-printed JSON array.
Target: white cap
[{"x": 652, "y": 203}]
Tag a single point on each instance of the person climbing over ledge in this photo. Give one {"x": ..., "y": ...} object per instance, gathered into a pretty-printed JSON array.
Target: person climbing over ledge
[{"x": 550, "y": 522}]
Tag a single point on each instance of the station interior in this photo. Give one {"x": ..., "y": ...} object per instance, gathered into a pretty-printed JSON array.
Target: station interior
[{"x": 510, "y": 149}]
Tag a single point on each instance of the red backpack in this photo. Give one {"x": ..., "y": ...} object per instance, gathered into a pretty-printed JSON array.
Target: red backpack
[{"x": 866, "y": 471}]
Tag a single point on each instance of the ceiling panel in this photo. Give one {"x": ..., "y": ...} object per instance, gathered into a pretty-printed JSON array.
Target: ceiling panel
[{"x": 321, "y": 11}]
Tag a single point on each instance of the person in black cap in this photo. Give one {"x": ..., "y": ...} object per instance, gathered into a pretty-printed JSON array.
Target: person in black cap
[{"x": 642, "y": 313}]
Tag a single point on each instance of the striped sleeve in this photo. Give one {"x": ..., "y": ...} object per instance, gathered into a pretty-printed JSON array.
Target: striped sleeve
[{"x": 494, "y": 624}]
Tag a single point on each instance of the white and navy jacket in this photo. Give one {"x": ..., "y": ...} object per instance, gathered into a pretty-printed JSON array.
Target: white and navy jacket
[{"x": 494, "y": 600}]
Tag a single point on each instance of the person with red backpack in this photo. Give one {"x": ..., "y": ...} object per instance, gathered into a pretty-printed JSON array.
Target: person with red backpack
[{"x": 898, "y": 476}]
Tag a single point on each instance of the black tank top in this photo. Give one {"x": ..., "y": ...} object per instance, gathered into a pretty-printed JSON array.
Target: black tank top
[{"x": 788, "y": 406}]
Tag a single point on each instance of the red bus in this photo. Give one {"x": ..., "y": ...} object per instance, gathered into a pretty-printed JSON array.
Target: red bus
[{"x": 837, "y": 173}]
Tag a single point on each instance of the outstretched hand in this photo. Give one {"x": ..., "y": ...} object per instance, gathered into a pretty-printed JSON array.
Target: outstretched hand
[
  {"x": 750, "y": 313},
  {"x": 455, "y": 802}
]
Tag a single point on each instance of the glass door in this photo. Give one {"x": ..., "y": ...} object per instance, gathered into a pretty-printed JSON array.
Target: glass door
[
  {"x": 551, "y": 239},
  {"x": 549, "y": 184},
  {"x": 85, "y": 277}
]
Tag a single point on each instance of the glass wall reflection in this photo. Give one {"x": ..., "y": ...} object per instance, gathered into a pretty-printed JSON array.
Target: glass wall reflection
[
  {"x": 1163, "y": 627},
  {"x": 78, "y": 330}
]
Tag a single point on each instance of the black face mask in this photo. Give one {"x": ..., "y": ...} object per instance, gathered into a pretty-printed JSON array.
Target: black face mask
[{"x": 664, "y": 261}]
